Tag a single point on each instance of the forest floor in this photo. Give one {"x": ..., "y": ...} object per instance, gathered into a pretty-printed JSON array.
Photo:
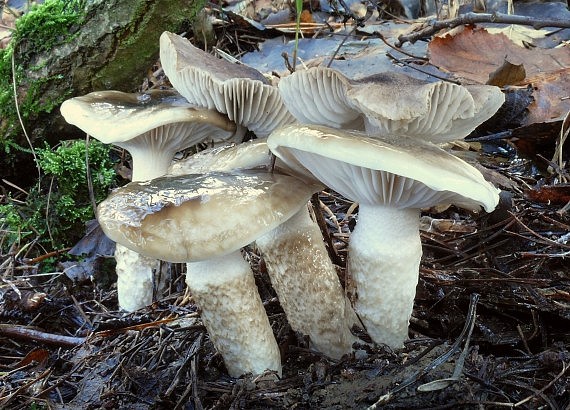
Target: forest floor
[{"x": 490, "y": 327}]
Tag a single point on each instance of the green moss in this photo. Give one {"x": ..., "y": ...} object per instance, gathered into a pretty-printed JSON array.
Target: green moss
[
  {"x": 139, "y": 40},
  {"x": 62, "y": 202},
  {"x": 48, "y": 24}
]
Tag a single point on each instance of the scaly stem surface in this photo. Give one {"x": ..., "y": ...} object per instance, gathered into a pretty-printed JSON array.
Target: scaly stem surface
[
  {"x": 307, "y": 284},
  {"x": 383, "y": 259},
  {"x": 232, "y": 311}
]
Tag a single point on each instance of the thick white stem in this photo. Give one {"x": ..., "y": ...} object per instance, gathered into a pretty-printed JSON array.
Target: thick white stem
[
  {"x": 135, "y": 278},
  {"x": 147, "y": 167},
  {"x": 383, "y": 259},
  {"x": 307, "y": 284},
  {"x": 232, "y": 311}
]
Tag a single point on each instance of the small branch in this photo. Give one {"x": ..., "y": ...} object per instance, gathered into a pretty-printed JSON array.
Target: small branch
[
  {"x": 537, "y": 393},
  {"x": 23, "y": 332},
  {"x": 44, "y": 256},
  {"x": 434, "y": 26}
]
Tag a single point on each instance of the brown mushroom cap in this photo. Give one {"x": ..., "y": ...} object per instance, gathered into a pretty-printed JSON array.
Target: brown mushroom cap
[
  {"x": 198, "y": 217},
  {"x": 239, "y": 91}
]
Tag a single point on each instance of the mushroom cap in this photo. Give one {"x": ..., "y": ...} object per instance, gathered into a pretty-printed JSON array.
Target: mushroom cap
[
  {"x": 115, "y": 117},
  {"x": 388, "y": 103},
  {"x": 247, "y": 155},
  {"x": 397, "y": 171},
  {"x": 227, "y": 158},
  {"x": 239, "y": 91},
  {"x": 197, "y": 217}
]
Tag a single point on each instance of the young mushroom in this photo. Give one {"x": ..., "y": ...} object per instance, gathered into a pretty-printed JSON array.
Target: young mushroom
[
  {"x": 392, "y": 178},
  {"x": 389, "y": 104},
  {"x": 152, "y": 126},
  {"x": 298, "y": 264},
  {"x": 239, "y": 91}
]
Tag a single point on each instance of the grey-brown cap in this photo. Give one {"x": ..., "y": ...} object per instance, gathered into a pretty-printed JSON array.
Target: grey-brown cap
[
  {"x": 389, "y": 104},
  {"x": 152, "y": 126},
  {"x": 198, "y": 217},
  {"x": 239, "y": 91}
]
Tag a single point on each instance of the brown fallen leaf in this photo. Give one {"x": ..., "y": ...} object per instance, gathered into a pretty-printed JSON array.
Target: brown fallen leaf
[
  {"x": 507, "y": 74},
  {"x": 473, "y": 53},
  {"x": 551, "y": 96},
  {"x": 558, "y": 194},
  {"x": 39, "y": 356}
]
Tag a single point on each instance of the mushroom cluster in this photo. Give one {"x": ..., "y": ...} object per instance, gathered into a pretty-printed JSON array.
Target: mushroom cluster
[
  {"x": 203, "y": 210},
  {"x": 325, "y": 130}
]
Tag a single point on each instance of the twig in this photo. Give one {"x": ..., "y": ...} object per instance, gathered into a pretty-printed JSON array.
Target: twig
[
  {"x": 381, "y": 37},
  {"x": 5, "y": 400},
  {"x": 434, "y": 26},
  {"x": 89, "y": 177},
  {"x": 347, "y": 35},
  {"x": 139, "y": 327},
  {"x": 459, "y": 364},
  {"x": 44, "y": 256},
  {"x": 544, "y": 240},
  {"x": 320, "y": 220},
  {"x": 180, "y": 373},
  {"x": 539, "y": 392},
  {"x": 48, "y": 225},
  {"x": 413, "y": 67},
  {"x": 15, "y": 186},
  {"x": 192, "y": 388},
  {"x": 557, "y": 158},
  {"x": 22, "y": 121},
  {"x": 24, "y": 332}
]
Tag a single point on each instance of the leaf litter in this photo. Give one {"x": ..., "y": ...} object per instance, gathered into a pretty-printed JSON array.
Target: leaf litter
[{"x": 491, "y": 322}]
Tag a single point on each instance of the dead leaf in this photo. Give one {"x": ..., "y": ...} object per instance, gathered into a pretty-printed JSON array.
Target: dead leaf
[
  {"x": 551, "y": 96},
  {"x": 473, "y": 53},
  {"x": 558, "y": 194},
  {"x": 39, "y": 356},
  {"x": 507, "y": 74},
  {"x": 429, "y": 224},
  {"x": 520, "y": 35}
]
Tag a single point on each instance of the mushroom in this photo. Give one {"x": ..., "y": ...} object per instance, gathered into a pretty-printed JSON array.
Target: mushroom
[
  {"x": 389, "y": 104},
  {"x": 152, "y": 126},
  {"x": 239, "y": 91},
  {"x": 392, "y": 178},
  {"x": 204, "y": 220},
  {"x": 297, "y": 261}
]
